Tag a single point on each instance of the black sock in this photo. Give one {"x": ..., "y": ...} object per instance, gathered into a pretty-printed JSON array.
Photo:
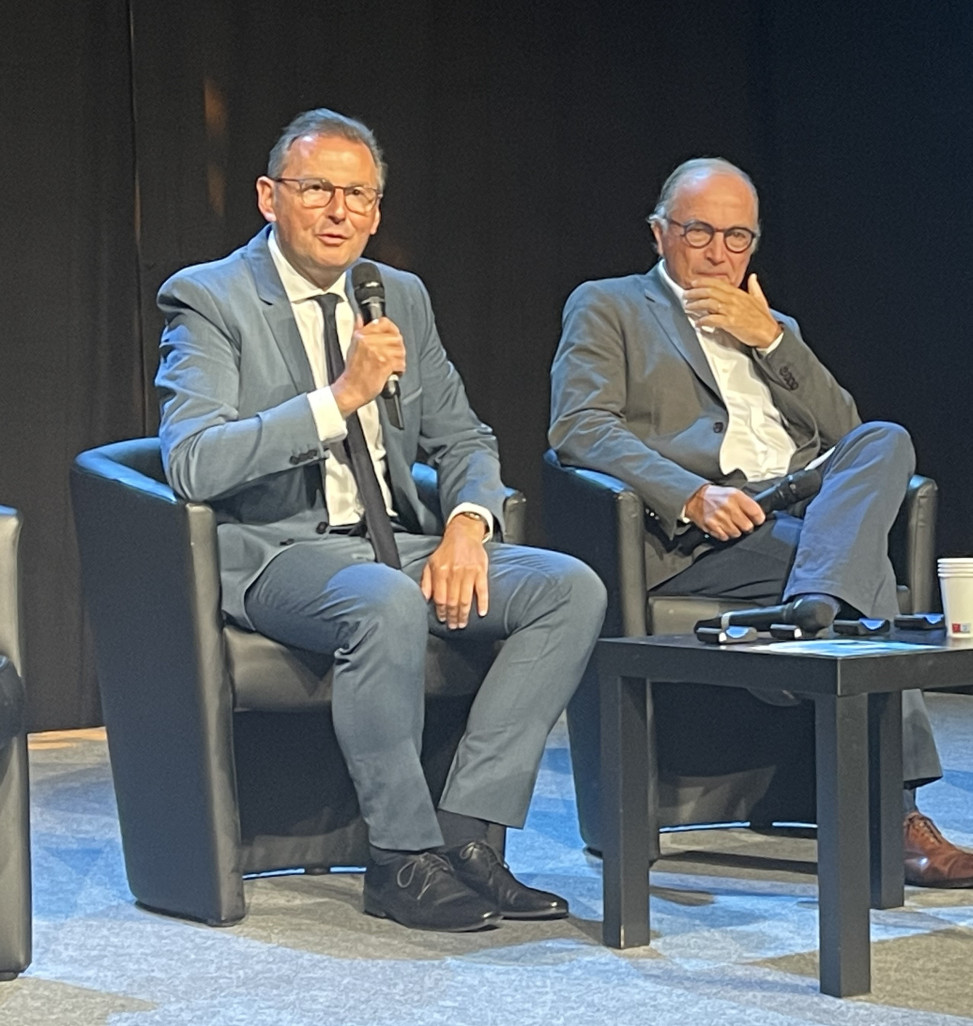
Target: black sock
[
  {"x": 383, "y": 856},
  {"x": 458, "y": 829}
]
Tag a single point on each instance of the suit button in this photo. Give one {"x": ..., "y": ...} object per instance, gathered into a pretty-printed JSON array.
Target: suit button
[
  {"x": 322, "y": 527},
  {"x": 718, "y": 427}
]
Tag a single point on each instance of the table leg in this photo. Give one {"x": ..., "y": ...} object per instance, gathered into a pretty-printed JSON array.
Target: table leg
[
  {"x": 885, "y": 800},
  {"x": 655, "y": 848},
  {"x": 841, "y": 744},
  {"x": 624, "y": 811}
]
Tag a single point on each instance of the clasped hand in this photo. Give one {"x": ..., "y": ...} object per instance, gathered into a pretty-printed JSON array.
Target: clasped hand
[
  {"x": 376, "y": 352},
  {"x": 723, "y": 513},
  {"x": 744, "y": 315},
  {"x": 456, "y": 573}
]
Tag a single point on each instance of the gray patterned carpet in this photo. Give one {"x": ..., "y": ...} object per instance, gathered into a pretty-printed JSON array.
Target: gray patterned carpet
[{"x": 734, "y": 930}]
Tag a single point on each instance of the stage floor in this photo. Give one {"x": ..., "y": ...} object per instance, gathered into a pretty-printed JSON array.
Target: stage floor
[{"x": 734, "y": 929}]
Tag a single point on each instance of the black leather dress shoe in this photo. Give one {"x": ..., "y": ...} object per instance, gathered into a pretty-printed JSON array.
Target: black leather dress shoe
[
  {"x": 421, "y": 891},
  {"x": 483, "y": 871}
]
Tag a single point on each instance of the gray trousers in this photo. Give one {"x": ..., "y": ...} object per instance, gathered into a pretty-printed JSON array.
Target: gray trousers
[
  {"x": 836, "y": 544},
  {"x": 331, "y": 596}
]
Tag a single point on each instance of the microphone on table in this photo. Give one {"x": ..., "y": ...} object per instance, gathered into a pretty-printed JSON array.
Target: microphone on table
[
  {"x": 369, "y": 290},
  {"x": 808, "y": 612}
]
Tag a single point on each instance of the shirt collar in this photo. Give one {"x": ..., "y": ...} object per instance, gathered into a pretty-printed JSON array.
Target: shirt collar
[
  {"x": 677, "y": 290},
  {"x": 296, "y": 286}
]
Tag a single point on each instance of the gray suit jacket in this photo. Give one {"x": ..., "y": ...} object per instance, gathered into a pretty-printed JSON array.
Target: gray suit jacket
[
  {"x": 632, "y": 395},
  {"x": 237, "y": 429}
]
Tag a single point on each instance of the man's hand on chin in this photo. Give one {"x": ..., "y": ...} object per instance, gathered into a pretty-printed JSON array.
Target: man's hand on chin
[
  {"x": 714, "y": 303},
  {"x": 457, "y": 572}
]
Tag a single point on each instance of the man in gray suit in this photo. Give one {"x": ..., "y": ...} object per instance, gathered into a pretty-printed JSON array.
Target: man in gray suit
[
  {"x": 686, "y": 385},
  {"x": 268, "y": 384}
]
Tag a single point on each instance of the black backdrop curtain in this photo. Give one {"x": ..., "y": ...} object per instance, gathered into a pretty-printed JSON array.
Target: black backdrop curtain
[{"x": 526, "y": 143}]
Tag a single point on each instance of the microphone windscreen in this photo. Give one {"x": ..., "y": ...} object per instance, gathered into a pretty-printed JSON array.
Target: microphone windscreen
[
  {"x": 805, "y": 484},
  {"x": 366, "y": 282},
  {"x": 802, "y": 484}
]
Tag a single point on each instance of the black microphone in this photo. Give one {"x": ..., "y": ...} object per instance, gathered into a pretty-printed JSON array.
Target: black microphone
[
  {"x": 369, "y": 290},
  {"x": 802, "y": 484},
  {"x": 808, "y": 612}
]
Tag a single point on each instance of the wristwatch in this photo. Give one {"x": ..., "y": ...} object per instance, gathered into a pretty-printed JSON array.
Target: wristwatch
[{"x": 473, "y": 515}]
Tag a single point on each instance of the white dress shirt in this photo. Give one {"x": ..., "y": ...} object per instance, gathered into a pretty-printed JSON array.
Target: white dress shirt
[
  {"x": 755, "y": 440},
  {"x": 341, "y": 491}
]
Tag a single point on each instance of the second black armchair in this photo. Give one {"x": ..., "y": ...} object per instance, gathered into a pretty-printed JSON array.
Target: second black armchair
[{"x": 723, "y": 755}]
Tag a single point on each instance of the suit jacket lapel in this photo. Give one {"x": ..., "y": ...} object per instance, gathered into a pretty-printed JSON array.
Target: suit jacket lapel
[
  {"x": 675, "y": 326},
  {"x": 277, "y": 312}
]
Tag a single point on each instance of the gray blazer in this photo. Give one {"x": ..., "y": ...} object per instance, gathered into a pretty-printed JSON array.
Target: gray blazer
[
  {"x": 632, "y": 395},
  {"x": 237, "y": 429}
]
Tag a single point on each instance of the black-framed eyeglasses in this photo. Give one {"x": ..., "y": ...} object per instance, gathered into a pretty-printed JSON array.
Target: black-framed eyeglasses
[
  {"x": 699, "y": 234},
  {"x": 319, "y": 192}
]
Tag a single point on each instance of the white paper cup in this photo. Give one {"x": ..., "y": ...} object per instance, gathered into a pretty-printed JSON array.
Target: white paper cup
[{"x": 956, "y": 586}]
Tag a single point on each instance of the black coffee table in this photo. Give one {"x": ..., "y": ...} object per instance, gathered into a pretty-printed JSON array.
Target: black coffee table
[{"x": 856, "y": 686}]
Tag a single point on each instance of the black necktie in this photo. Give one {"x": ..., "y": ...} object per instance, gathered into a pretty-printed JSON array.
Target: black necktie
[{"x": 377, "y": 521}]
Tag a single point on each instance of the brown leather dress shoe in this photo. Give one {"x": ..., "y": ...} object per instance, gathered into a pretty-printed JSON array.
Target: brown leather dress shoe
[{"x": 931, "y": 860}]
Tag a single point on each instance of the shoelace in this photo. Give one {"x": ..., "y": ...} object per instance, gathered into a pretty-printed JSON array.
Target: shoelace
[
  {"x": 924, "y": 825},
  {"x": 428, "y": 863}
]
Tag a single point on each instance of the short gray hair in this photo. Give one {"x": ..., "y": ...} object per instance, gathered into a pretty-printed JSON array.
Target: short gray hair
[
  {"x": 697, "y": 166},
  {"x": 324, "y": 122}
]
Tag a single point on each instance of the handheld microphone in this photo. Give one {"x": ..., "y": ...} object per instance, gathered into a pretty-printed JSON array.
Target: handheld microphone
[{"x": 369, "y": 290}]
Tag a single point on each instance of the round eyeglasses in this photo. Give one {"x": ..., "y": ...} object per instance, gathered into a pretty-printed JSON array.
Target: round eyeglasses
[
  {"x": 699, "y": 234},
  {"x": 319, "y": 192}
]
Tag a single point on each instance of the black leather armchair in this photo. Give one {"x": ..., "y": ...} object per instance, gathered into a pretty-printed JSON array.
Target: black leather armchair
[
  {"x": 723, "y": 755},
  {"x": 222, "y": 748},
  {"x": 15, "y": 894}
]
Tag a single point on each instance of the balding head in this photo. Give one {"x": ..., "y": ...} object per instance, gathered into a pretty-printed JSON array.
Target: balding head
[{"x": 698, "y": 168}]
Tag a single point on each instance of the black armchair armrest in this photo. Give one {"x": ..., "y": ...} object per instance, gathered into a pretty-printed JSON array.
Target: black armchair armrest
[
  {"x": 15, "y": 880},
  {"x": 601, "y": 521},
  {"x": 514, "y": 503},
  {"x": 11, "y": 642},
  {"x": 912, "y": 544},
  {"x": 149, "y": 559}
]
